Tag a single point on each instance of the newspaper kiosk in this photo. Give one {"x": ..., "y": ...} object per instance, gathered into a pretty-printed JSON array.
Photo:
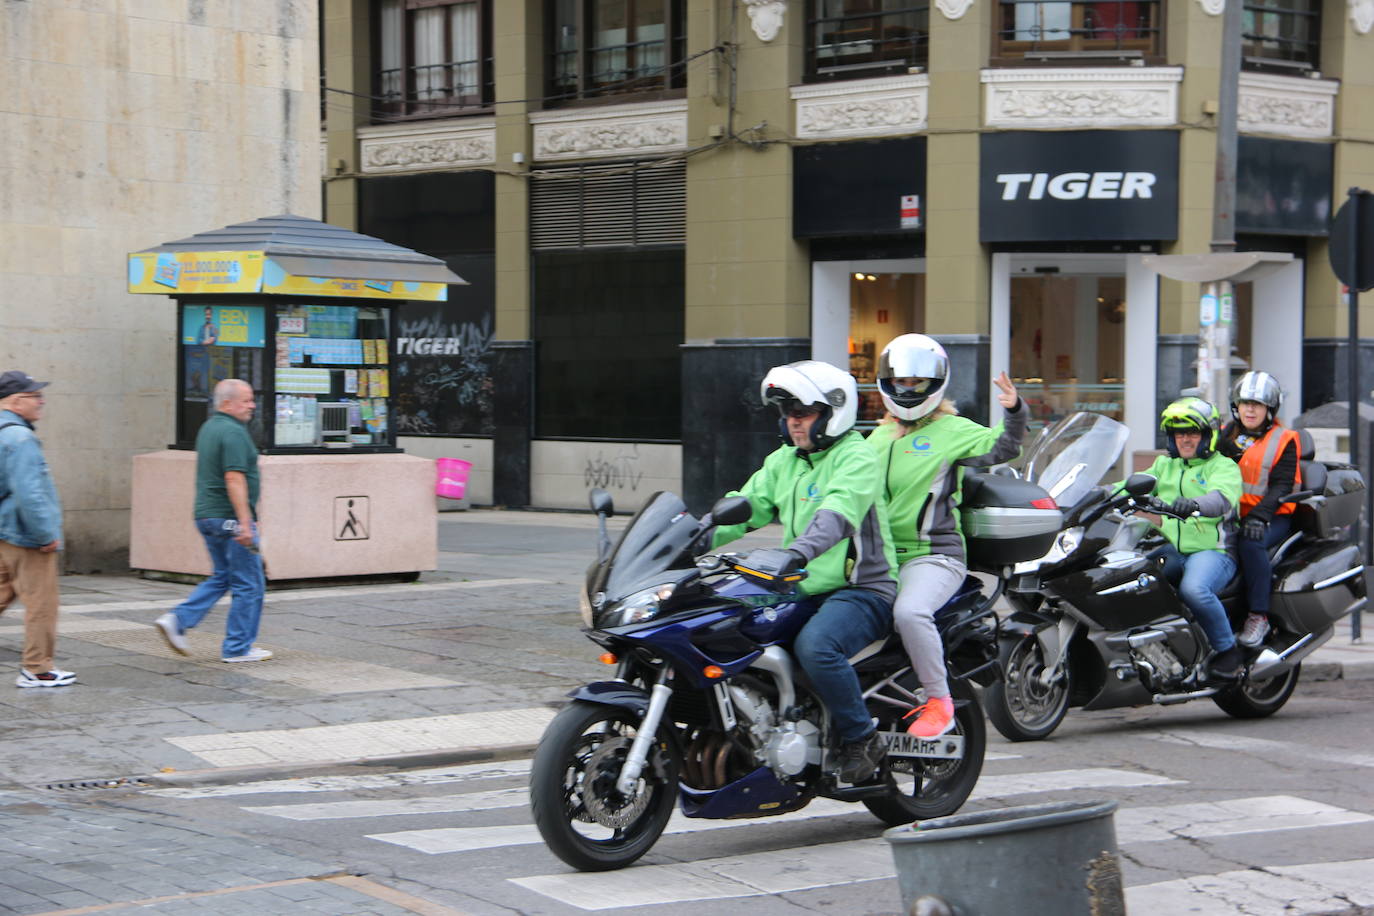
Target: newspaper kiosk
[{"x": 300, "y": 310}]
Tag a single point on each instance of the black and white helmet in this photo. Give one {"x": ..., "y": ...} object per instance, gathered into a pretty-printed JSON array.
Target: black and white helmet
[
  {"x": 1260, "y": 387},
  {"x": 912, "y": 356},
  {"x": 812, "y": 383}
]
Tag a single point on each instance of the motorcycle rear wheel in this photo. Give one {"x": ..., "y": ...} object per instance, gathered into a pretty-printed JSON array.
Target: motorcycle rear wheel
[
  {"x": 1019, "y": 706},
  {"x": 573, "y": 795},
  {"x": 932, "y": 788},
  {"x": 1258, "y": 699}
]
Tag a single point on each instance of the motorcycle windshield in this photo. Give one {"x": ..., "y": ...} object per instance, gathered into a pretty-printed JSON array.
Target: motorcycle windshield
[
  {"x": 1071, "y": 457},
  {"x": 651, "y": 543}
]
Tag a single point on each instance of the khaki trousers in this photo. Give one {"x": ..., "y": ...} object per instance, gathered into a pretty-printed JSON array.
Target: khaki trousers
[{"x": 31, "y": 576}]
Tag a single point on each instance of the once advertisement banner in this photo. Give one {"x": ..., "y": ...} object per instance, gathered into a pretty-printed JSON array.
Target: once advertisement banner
[
  {"x": 1082, "y": 185},
  {"x": 223, "y": 325},
  {"x": 188, "y": 272}
]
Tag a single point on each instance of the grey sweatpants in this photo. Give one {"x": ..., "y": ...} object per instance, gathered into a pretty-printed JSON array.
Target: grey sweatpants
[{"x": 924, "y": 585}]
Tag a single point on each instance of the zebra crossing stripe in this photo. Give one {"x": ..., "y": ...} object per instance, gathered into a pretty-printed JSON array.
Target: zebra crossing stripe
[
  {"x": 1265, "y": 814},
  {"x": 470, "y": 839},
  {"x": 1323, "y": 887},
  {"x": 1264, "y": 746},
  {"x": 425, "y": 777},
  {"x": 988, "y": 787}
]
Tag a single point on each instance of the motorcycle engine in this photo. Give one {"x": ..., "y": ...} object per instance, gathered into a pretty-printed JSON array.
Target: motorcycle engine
[
  {"x": 787, "y": 748},
  {"x": 1159, "y": 667}
]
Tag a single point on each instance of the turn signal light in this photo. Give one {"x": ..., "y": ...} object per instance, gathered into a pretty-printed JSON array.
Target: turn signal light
[
  {"x": 1044, "y": 502},
  {"x": 713, "y": 672},
  {"x": 607, "y": 658}
]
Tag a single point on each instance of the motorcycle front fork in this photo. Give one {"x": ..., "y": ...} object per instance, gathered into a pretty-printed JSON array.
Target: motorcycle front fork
[{"x": 645, "y": 737}]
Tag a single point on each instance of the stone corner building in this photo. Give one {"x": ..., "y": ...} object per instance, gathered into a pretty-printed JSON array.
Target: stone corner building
[{"x": 126, "y": 124}]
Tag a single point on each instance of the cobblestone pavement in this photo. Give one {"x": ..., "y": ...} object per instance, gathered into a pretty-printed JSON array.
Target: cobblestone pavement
[{"x": 466, "y": 664}]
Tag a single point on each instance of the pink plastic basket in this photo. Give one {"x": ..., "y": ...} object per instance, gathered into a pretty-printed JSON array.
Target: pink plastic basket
[{"x": 452, "y": 480}]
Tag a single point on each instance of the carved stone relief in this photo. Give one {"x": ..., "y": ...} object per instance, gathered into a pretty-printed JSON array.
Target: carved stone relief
[
  {"x": 412, "y": 154},
  {"x": 954, "y": 9},
  {"x": 1361, "y": 15},
  {"x": 1082, "y": 98},
  {"x": 878, "y": 107},
  {"x": 766, "y": 17},
  {"x": 1295, "y": 106},
  {"x": 1213, "y": 7},
  {"x": 593, "y": 139}
]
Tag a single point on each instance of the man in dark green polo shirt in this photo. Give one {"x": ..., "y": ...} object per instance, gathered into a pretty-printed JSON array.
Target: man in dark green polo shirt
[{"x": 226, "y": 497}]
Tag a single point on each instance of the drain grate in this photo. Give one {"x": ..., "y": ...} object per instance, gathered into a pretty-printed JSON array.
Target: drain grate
[{"x": 80, "y": 785}]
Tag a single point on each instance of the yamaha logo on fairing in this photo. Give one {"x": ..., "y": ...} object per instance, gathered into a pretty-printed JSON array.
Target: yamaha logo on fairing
[{"x": 1077, "y": 185}]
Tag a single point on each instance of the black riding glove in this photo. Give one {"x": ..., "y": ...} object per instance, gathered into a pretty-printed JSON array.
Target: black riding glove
[
  {"x": 1254, "y": 529},
  {"x": 773, "y": 565},
  {"x": 1183, "y": 507}
]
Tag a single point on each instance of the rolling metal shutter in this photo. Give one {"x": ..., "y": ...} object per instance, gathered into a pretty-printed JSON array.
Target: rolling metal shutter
[{"x": 609, "y": 206}]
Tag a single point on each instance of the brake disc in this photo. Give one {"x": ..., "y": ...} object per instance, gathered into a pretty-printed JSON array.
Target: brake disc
[{"x": 610, "y": 809}]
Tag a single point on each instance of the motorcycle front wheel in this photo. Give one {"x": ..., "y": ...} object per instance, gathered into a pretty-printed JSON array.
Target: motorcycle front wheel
[
  {"x": 1020, "y": 705},
  {"x": 927, "y": 788},
  {"x": 1258, "y": 699},
  {"x": 584, "y": 820}
]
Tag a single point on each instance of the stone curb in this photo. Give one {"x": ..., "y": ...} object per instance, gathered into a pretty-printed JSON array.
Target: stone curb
[{"x": 226, "y": 776}]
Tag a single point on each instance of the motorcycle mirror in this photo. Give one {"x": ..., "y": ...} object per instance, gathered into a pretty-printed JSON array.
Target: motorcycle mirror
[
  {"x": 601, "y": 501},
  {"x": 1141, "y": 484},
  {"x": 732, "y": 510}
]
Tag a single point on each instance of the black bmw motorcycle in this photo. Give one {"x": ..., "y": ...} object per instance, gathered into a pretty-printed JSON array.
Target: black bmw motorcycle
[{"x": 1094, "y": 623}]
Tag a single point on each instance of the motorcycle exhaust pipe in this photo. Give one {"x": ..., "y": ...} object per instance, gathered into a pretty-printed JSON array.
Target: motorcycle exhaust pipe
[
  {"x": 1271, "y": 664},
  {"x": 1169, "y": 699}
]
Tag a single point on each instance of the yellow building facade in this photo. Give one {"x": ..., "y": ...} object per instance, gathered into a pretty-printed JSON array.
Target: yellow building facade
[{"x": 657, "y": 200}]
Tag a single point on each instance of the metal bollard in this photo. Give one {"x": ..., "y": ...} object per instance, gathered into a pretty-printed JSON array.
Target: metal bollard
[{"x": 1062, "y": 856}]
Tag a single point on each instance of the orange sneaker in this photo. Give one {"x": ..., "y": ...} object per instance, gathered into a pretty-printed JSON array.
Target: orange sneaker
[{"x": 933, "y": 719}]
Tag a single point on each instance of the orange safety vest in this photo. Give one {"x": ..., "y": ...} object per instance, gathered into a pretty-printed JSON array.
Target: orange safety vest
[{"x": 1256, "y": 462}]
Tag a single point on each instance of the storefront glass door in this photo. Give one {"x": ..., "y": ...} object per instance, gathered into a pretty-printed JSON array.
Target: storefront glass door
[{"x": 1067, "y": 347}]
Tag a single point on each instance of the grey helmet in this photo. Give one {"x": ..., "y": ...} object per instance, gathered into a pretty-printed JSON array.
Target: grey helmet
[{"x": 1260, "y": 387}]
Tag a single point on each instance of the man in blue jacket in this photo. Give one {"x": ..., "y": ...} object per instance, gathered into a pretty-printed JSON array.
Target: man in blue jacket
[{"x": 30, "y": 529}]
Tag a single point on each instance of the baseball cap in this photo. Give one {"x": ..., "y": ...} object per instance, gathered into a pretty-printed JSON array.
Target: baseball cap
[{"x": 16, "y": 382}]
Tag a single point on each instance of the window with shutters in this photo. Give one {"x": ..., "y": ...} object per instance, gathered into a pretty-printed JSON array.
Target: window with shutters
[
  {"x": 607, "y": 302},
  {"x": 599, "y": 48},
  {"x": 433, "y": 58},
  {"x": 626, "y": 205}
]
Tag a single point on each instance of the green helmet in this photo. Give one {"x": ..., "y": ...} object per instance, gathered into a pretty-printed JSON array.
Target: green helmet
[{"x": 1191, "y": 414}]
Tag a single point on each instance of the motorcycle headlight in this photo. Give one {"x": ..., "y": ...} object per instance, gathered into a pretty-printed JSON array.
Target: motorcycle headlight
[
  {"x": 584, "y": 604},
  {"x": 1066, "y": 543},
  {"x": 640, "y": 606}
]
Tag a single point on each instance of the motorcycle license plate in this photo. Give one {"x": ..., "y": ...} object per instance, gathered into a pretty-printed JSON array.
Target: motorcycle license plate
[{"x": 945, "y": 747}]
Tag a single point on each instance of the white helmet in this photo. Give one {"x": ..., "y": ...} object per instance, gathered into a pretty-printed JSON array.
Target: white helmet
[
  {"x": 912, "y": 356},
  {"x": 811, "y": 383}
]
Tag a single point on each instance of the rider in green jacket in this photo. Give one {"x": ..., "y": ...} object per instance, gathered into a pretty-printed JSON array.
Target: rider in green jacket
[
  {"x": 1203, "y": 486},
  {"x": 922, "y": 454},
  {"x": 823, "y": 487}
]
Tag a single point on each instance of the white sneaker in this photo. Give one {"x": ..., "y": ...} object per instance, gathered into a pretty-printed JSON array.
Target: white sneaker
[
  {"x": 1255, "y": 629},
  {"x": 254, "y": 654},
  {"x": 170, "y": 628},
  {"x": 53, "y": 678}
]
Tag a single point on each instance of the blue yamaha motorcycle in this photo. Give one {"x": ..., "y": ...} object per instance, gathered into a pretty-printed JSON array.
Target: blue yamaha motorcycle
[{"x": 709, "y": 711}]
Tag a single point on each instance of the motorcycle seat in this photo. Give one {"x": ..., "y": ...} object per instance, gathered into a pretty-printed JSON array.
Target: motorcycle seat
[{"x": 869, "y": 650}]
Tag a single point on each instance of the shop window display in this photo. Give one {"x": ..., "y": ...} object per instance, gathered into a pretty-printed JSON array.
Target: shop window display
[
  {"x": 881, "y": 306},
  {"x": 299, "y": 358},
  {"x": 1067, "y": 345}
]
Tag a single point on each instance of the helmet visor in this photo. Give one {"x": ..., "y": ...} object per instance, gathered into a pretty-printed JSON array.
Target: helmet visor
[{"x": 913, "y": 362}]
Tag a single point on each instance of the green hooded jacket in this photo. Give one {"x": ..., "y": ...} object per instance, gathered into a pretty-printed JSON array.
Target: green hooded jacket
[
  {"x": 832, "y": 512},
  {"x": 1215, "y": 483},
  {"x": 923, "y": 471}
]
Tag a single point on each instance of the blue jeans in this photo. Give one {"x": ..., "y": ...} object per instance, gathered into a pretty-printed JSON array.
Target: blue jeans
[
  {"x": 1203, "y": 575},
  {"x": 848, "y": 620},
  {"x": 237, "y": 570},
  {"x": 1255, "y": 567}
]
